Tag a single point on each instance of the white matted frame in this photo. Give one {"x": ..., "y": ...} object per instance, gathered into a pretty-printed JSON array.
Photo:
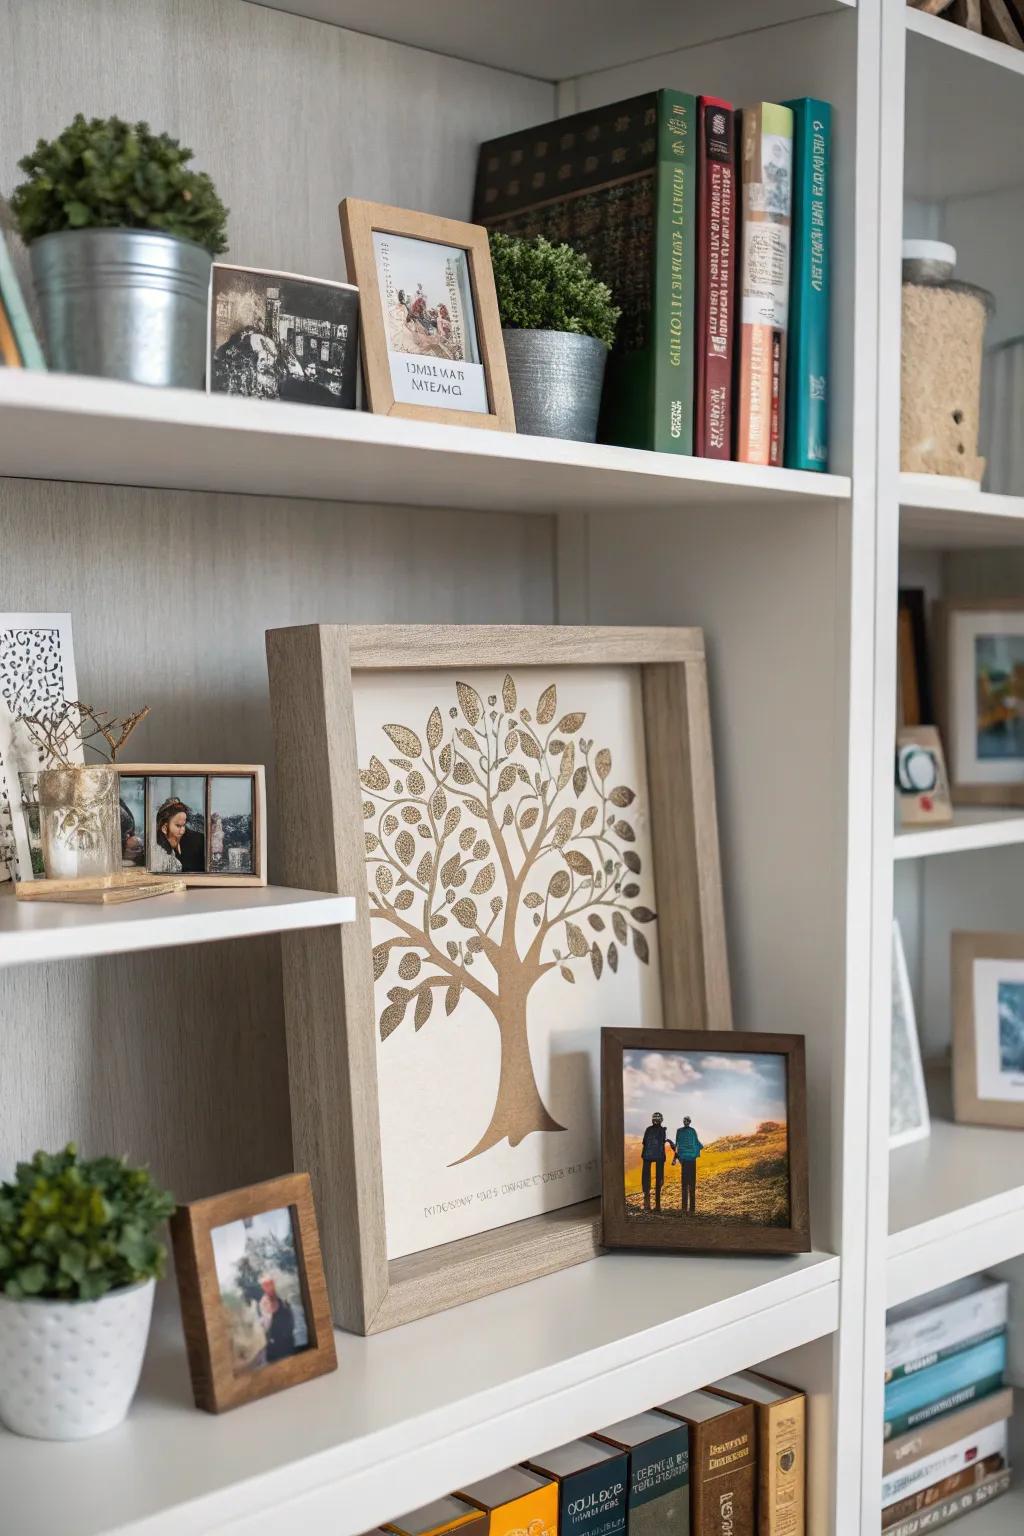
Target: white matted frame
[
  {"x": 909, "y": 1119},
  {"x": 975, "y": 780},
  {"x": 328, "y": 976}
]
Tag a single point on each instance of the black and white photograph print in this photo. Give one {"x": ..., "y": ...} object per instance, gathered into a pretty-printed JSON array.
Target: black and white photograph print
[
  {"x": 260, "y": 1289},
  {"x": 231, "y": 825},
  {"x": 132, "y": 795},
  {"x": 278, "y": 336},
  {"x": 176, "y": 824}
]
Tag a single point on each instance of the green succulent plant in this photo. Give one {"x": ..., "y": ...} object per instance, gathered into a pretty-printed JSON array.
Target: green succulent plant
[
  {"x": 74, "y": 1230},
  {"x": 106, "y": 174},
  {"x": 545, "y": 287}
]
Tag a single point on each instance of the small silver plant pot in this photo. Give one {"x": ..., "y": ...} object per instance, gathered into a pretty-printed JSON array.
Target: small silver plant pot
[
  {"x": 124, "y": 304},
  {"x": 556, "y": 379}
]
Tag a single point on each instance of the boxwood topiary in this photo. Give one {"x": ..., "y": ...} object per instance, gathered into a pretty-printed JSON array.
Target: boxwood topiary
[
  {"x": 545, "y": 287},
  {"x": 73, "y": 1230},
  {"x": 106, "y": 174}
]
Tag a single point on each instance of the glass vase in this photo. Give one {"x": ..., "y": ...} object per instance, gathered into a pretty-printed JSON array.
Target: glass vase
[{"x": 79, "y": 822}]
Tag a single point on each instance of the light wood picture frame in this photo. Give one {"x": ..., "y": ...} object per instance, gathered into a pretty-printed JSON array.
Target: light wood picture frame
[
  {"x": 988, "y": 1051},
  {"x": 210, "y": 773},
  {"x": 360, "y": 222},
  {"x": 330, "y": 1011},
  {"x": 210, "y": 1237},
  {"x": 750, "y": 1067},
  {"x": 978, "y": 773}
]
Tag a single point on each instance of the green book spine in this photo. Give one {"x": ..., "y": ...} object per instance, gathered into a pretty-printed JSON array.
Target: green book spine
[
  {"x": 807, "y": 382},
  {"x": 925, "y": 1362},
  {"x": 904, "y": 1422},
  {"x": 673, "y": 315}
]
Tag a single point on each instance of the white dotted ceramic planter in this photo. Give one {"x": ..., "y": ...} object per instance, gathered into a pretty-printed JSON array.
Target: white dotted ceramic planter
[{"x": 69, "y": 1369}]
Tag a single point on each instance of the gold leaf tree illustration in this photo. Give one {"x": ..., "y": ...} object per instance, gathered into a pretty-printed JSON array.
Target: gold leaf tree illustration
[{"x": 498, "y": 812}]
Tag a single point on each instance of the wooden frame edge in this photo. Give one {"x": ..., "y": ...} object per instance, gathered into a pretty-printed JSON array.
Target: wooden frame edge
[{"x": 259, "y": 812}]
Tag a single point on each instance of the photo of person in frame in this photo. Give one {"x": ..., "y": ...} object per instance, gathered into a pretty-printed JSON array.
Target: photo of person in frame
[
  {"x": 177, "y": 819},
  {"x": 260, "y": 1290}
]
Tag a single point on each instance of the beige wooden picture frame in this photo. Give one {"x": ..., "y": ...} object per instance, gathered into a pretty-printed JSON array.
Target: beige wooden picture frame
[
  {"x": 969, "y": 1107},
  {"x": 256, "y": 772},
  {"x": 330, "y": 1009},
  {"x": 962, "y": 789},
  {"x": 359, "y": 221}
]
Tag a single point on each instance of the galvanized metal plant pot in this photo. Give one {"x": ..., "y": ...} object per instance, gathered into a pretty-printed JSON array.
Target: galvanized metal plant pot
[
  {"x": 556, "y": 380},
  {"x": 124, "y": 304}
]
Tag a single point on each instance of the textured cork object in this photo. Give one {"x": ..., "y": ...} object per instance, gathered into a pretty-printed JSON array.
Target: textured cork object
[{"x": 943, "y": 335}]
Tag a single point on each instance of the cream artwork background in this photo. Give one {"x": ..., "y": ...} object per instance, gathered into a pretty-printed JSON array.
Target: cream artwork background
[{"x": 511, "y": 897}]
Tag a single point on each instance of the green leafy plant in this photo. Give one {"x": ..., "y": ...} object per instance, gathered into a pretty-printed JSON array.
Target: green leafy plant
[
  {"x": 545, "y": 287},
  {"x": 71, "y": 1229},
  {"x": 106, "y": 174}
]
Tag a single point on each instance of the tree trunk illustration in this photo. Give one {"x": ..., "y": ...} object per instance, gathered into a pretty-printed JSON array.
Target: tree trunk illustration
[{"x": 519, "y": 1109}]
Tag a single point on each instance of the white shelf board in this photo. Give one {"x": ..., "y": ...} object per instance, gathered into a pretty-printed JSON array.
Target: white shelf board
[
  {"x": 956, "y": 1206},
  {"x": 413, "y": 1413},
  {"x": 51, "y": 930},
  {"x": 67, "y": 427},
  {"x": 971, "y": 827},
  {"x": 941, "y": 512},
  {"x": 963, "y": 96},
  {"x": 555, "y": 42}
]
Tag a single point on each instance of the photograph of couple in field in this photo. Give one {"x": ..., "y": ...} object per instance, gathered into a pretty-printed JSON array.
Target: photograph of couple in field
[{"x": 706, "y": 1137}]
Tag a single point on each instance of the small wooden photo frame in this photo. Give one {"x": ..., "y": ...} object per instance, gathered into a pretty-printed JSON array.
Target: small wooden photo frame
[
  {"x": 428, "y": 312},
  {"x": 253, "y": 1298},
  {"x": 526, "y": 818},
  {"x": 204, "y": 822},
  {"x": 988, "y": 1028},
  {"x": 704, "y": 1141},
  {"x": 981, "y": 698}
]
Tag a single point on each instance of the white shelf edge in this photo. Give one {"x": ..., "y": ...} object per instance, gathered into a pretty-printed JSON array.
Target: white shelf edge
[
  {"x": 962, "y": 1242},
  {"x": 353, "y": 1486},
  {"x": 987, "y": 49},
  {"x": 947, "y": 494},
  {"x": 968, "y": 830},
  {"x": 37, "y": 932},
  {"x": 60, "y": 426}
]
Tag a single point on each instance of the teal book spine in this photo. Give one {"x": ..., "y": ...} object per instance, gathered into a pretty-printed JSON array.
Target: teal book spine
[
  {"x": 17, "y": 312},
  {"x": 925, "y": 1363},
  {"x": 673, "y": 310},
  {"x": 807, "y": 381},
  {"x": 951, "y": 1383}
]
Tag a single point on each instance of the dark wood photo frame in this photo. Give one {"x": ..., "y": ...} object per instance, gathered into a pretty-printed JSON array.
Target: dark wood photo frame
[
  {"x": 669, "y": 1230},
  {"x": 215, "y": 1383},
  {"x": 330, "y": 1014}
]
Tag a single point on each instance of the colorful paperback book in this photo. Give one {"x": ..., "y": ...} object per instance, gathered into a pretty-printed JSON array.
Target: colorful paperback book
[
  {"x": 924, "y": 1498},
  {"x": 766, "y": 203},
  {"x": 723, "y": 1463},
  {"x": 618, "y": 183},
  {"x": 716, "y": 278},
  {"x": 515, "y": 1501},
  {"x": 28, "y": 352},
  {"x": 992, "y": 1441},
  {"x": 938, "y": 1515},
  {"x": 954, "y": 1382},
  {"x": 593, "y": 1486},
  {"x": 780, "y": 1421},
  {"x": 940, "y": 1432},
  {"x": 922, "y": 1332},
  {"x": 807, "y": 369},
  {"x": 659, "y": 1472}
]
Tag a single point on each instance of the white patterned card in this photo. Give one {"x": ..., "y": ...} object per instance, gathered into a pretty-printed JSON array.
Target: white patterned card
[{"x": 37, "y": 673}]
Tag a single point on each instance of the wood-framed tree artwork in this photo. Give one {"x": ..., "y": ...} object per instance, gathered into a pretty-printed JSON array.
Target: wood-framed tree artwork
[{"x": 526, "y": 817}]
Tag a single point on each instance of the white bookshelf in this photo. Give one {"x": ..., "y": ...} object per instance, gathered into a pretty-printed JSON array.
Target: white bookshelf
[
  {"x": 34, "y": 931},
  {"x": 176, "y": 528}
]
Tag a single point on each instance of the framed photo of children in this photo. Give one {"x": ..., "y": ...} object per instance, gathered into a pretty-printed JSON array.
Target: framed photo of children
[
  {"x": 988, "y": 1029},
  {"x": 704, "y": 1141},
  {"x": 207, "y": 822},
  {"x": 254, "y": 1302},
  {"x": 432, "y": 344}
]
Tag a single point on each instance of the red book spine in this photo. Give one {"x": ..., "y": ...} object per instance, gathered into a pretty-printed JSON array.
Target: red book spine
[{"x": 716, "y": 272}]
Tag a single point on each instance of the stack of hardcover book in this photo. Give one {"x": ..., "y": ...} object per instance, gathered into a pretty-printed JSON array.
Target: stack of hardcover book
[
  {"x": 946, "y": 1406},
  {"x": 711, "y": 227},
  {"x": 726, "y": 1461}
]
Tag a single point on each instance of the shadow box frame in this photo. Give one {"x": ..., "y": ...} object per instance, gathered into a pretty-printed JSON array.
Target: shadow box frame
[
  {"x": 963, "y": 791},
  {"x": 969, "y": 1107},
  {"x": 254, "y": 771},
  {"x": 360, "y": 221},
  {"x": 733, "y": 1237},
  {"x": 330, "y": 1015}
]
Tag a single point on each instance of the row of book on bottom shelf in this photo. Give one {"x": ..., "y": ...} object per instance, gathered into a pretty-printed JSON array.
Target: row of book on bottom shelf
[
  {"x": 729, "y": 1460},
  {"x": 947, "y": 1406}
]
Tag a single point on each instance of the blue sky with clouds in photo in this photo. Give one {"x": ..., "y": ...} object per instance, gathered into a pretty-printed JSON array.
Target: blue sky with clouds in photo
[{"x": 726, "y": 1094}]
